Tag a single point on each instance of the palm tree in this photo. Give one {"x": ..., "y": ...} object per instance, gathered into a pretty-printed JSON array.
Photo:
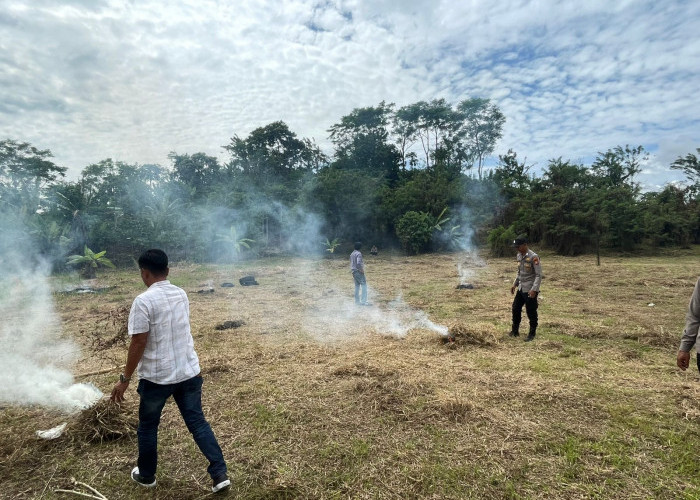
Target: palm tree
[{"x": 90, "y": 261}]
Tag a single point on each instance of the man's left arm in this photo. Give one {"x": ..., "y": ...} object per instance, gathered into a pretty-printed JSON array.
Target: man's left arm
[{"x": 136, "y": 348}]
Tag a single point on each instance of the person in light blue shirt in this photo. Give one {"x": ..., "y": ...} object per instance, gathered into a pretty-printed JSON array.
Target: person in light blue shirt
[{"x": 357, "y": 267}]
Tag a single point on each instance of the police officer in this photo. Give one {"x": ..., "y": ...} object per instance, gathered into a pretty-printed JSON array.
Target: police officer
[{"x": 527, "y": 283}]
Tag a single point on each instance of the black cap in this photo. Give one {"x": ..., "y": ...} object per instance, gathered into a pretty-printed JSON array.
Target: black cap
[{"x": 520, "y": 240}]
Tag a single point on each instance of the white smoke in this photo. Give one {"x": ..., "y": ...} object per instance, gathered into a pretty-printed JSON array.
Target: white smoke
[
  {"x": 35, "y": 360},
  {"x": 336, "y": 318},
  {"x": 467, "y": 265}
]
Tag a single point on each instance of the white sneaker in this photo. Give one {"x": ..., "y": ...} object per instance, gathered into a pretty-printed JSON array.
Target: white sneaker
[
  {"x": 143, "y": 481},
  {"x": 221, "y": 483}
]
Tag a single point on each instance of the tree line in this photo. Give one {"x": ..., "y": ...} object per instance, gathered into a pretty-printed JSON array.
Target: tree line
[{"x": 410, "y": 177}]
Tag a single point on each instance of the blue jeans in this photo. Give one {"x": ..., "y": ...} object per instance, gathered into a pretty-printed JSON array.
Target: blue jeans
[
  {"x": 188, "y": 396},
  {"x": 360, "y": 282}
]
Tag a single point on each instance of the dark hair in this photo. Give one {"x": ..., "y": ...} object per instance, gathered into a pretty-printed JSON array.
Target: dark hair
[
  {"x": 358, "y": 245},
  {"x": 154, "y": 260}
]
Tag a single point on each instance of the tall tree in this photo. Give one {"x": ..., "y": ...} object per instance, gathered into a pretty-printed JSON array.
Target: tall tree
[
  {"x": 614, "y": 172},
  {"x": 24, "y": 172},
  {"x": 435, "y": 126},
  {"x": 482, "y": 126},
  {"x": 690, "y": 166},
  {"x": 362, "y": 142},
  {"x": 199, "y": 171}
]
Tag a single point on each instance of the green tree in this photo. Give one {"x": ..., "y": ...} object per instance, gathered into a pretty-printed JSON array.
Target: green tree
[
  {"x": 199, "y": 171},
  {"x": 24, "y": 173},
  {"x": 482, "y": 126},
  {"x": 415, "y": 231},
  {"x": 500, "y": 240},
  {"x": 434, "y": 125},
  {"x": 614, "y": 172},
  {"x": 362, "y": 142},
  {"x": 667, "y": 219},
  {"x": 690, "y": 166},
  {"x": 348, "y": 200},
  {"x": 557, "y": 210}
]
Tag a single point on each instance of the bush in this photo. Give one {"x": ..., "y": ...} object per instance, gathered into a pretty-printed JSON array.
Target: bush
[
  {"x": 415, "y": 230},
  {"x": 501, "y": 241}
]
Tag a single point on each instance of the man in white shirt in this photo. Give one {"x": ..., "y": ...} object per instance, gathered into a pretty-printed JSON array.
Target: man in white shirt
[{"x": 162, "y": 349}]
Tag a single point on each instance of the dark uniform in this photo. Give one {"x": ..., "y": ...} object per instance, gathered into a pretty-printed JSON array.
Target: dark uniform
[{"x": 528, "y": 279}]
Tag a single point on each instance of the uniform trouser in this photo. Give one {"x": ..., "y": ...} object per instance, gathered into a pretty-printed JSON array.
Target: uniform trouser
[
  {"x": 188, "y": 397},
  {"x": 522, "y": 298}
]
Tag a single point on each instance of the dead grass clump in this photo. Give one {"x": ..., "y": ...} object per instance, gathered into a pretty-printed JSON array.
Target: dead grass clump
[
  {"x": 227, "y": 325},
  {"x": 113, "y": 325},
  {"x": 393, "y": 396},
  {"x": 480, "y": 334},
  {"x": 454, "y": 408},
  {"x": 660, "y": 339},
  {"x": 216, "y": 366},
  {"x": 362, "y": 370},
  {"x": 688, "y": 403},
  {"x": 106, "y": 421}
]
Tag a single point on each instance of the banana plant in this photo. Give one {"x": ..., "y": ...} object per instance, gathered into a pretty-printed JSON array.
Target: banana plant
[
  {"x": 233, "y": 243},
  {"x": 90, "y": 261},
  {"x": 331, "y": 245}
]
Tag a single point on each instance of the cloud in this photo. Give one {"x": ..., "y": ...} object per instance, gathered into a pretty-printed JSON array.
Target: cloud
[{"x": 135, "y": 80}]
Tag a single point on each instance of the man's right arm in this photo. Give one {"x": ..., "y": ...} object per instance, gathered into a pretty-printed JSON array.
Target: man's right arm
[
  {"x": 136, "y": 348},
  {"x": 690, "y": 333},
  {"x": 516, "y": 282}
]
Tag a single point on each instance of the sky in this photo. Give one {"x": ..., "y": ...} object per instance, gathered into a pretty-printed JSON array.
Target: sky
[{"x": 135, "y": 80}]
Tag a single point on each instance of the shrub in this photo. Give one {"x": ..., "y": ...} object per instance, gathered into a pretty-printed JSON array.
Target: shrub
[
  {"x": 501, "y": 240},
  {"x": 415, "y": 230}
]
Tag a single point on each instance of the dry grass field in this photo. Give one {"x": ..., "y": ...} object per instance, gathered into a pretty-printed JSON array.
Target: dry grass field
[{"x": 313, "y": 397}]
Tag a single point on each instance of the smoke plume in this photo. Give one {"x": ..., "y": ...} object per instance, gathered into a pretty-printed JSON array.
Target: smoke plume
[{"x": 35, "y": 359}]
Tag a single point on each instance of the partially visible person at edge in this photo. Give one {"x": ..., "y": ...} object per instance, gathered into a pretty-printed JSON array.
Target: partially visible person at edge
[
  {"x": 527, "y": 283},
  {"x": 162, "y": 352},
  {"x": 690, "y": 333},
  {"x": 357, "y": 267}
]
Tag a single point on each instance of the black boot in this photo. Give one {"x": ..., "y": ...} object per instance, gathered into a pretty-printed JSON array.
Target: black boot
[
  {"x": 514, "y": 333},
  {"x": 530, "y": 337}
]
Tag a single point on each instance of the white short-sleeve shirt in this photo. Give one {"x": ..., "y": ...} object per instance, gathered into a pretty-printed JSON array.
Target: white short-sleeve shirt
[{"x": 164, "y": 312}]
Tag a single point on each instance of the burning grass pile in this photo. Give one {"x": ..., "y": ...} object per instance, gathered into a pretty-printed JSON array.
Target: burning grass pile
[
  {"x": 105, "y": 421},
  {"x": 479, "y": 334}
]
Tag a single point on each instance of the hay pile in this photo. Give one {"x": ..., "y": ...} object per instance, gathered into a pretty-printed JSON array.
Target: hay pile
[
  {"x": 480, "y": 334},
  {"x": 106, "y": 421}
]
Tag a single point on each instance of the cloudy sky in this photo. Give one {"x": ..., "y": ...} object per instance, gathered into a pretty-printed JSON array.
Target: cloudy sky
[{"x": 134, "y": 80}]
